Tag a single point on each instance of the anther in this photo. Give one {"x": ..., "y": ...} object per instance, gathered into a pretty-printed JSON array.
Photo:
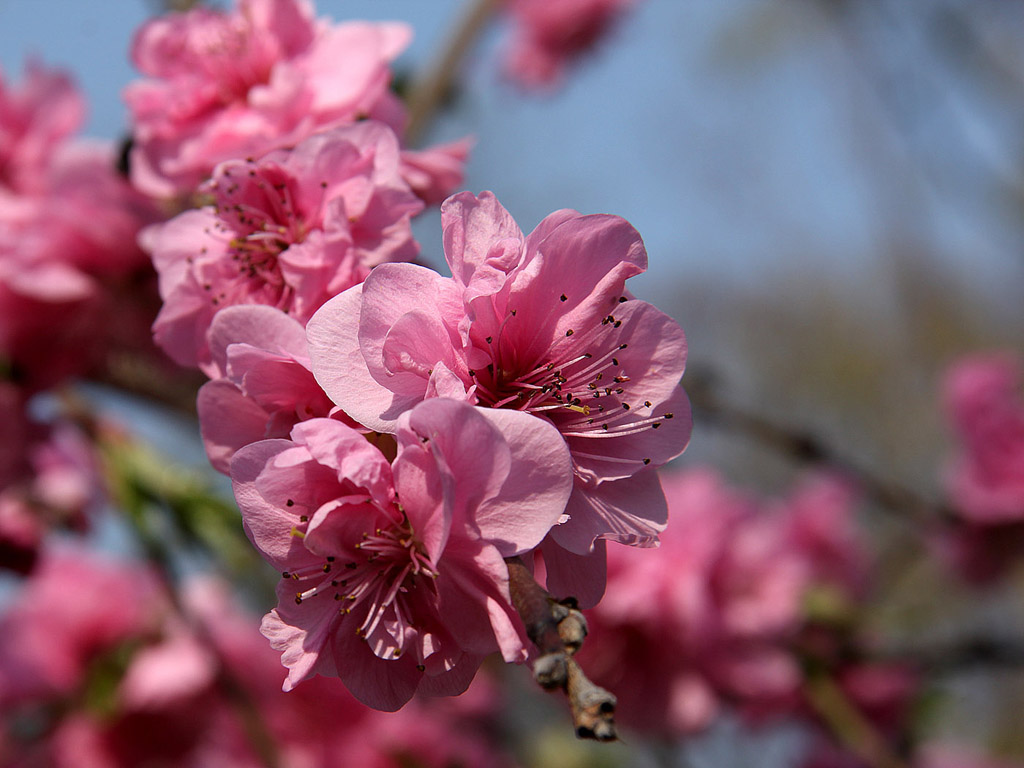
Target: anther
[{"x": 563, "y": 297}]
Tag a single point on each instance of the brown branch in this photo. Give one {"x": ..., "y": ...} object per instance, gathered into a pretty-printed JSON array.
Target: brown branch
[
  {"x": 965, "y": 653},
  {"x": 557, "y": 629},
  {"x": 429, "y": 91}
]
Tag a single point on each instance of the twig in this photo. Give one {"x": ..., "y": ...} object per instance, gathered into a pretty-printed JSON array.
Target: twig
[
  {"x": 558, "y": 629},
  {"x": 965, "y": 653},
  {"x": 847, "y": 724},
  {"x": 429, "y": 91}
]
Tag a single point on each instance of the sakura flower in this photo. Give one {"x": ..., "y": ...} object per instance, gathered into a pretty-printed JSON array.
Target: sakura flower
[
  {"x": 289, "y": 230},
  {"x": 265, "y": 387},
  {"x": 34, "y": 118},
  {"x": 393, "y": 573},
  {"x": 986, "y": 476},
  {"x": 986, "y": 480},
  {"x": 540, "y": 324},
  {"x": 67, "y": 233},
  {"x": 723, "y": 591},
  {"x": 266, "y": 75},
  {"x": 74, "y": 608},
  {"x": 550, "y": 34}
]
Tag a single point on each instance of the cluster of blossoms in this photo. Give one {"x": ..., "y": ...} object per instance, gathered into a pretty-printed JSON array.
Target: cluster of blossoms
[
  {"x": 395, "y": 438},
  {"x": 753, "y": 598},
  {"x": 94, "y": 656},
  {"x": 222, "y": 86},
  {"x": 392, "y": 434},
  {"x": 68, "y": 224},
  {"x": 986, "y": 477},
  {"x": 427, "y": 427}
]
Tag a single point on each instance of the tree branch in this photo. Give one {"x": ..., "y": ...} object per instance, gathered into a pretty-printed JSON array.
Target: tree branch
[
  {"x": 558, "y": 629},
  {"x": 429, "y": 91}
]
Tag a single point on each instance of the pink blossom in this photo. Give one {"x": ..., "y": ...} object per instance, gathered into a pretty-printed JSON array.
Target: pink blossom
[
  {"x": 21, "y": 534},
  {"x": 67, "y": 234},
  {"x": 264, "y": 385},
  {"x": 321, "y": 724},
  {"x": 948, "y": 756},
  {"x": 74, "y": 608},
  {"x": 722, "y": 591},
  {"x": 266, "y": 75},
  {"x": 986, "y": 476},
  {"x": 393, "y": 597},
  {"x": 986, "y": 479},
  {"x": 34, "y": 118},
  {"x": 289, "y": 230},
  {"x": 725, "y": 592},
  {"x": 550, "y": 34},
  {"x": 520, "y": 326}
]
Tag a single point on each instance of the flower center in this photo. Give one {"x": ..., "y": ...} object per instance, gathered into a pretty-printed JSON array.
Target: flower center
[
  {"x": 260, "y": 219},
  {"x": 385, "y": 567},
  {"x": 582, "y": 388}
]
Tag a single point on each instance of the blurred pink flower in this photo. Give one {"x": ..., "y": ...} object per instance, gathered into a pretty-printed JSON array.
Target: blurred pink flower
[
  {"x": 725, "y": 593},
  {"x": 74, "y": 608},
  {"x": 983, "y": 399},
  {"x": 34, "y": 119},
  {"x": 982, "y": 395},
  {"x": 551, "y": 34},
  {"x": 289, "y": 230},
  {"x": 520, "y": 326},
  {"x": 266, "y": 75},
  {"x": 67, "y": 234},
  {"x": 390, "y": 596},
  {"x": 949, "y": 756}
]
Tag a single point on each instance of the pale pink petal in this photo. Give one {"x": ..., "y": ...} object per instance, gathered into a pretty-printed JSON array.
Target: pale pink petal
[
  {"x": 341, "y": 370},
  {"x": 472, "y": 225},
  {"x": 607, "y": 512},
  {"x": 539, "y": 483},
  {"x": 228, "y": 420},
  {"x": 269, "y": 525}
]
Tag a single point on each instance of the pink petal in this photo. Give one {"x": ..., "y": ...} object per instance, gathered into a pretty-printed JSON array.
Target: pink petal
[
  {"x": 260, "y": 326},
  {"x": 538, "y": 486},
  {"x": 472, "y": 226},
  {"x": 606, "y": 511},
  {"x": 341, "y": 370},
  {"x": 268, "y": 522},
  {"x": 228, "y": 420},
  {"x": 382, "y": 684}
]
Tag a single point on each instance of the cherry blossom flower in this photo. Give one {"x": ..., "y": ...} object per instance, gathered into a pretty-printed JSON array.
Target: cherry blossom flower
[
  {"x": 986, "y": 476},
  {"x": 549, "y": 35},
  {"x": 67, "y": 233},
  {"x": 75, "y": 607},
  {"x": 289, "y": 230},
  {"x": 393, "y": 573},
  {"x": 224, "y": 85},
  {"x": 34, "y": 118},
  {"x": 540, "y": 324},
  {"x": 983, "y": 398}
]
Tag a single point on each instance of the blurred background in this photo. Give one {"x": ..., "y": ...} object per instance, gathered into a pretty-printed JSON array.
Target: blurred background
[{"x": 832, "y": 197}]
